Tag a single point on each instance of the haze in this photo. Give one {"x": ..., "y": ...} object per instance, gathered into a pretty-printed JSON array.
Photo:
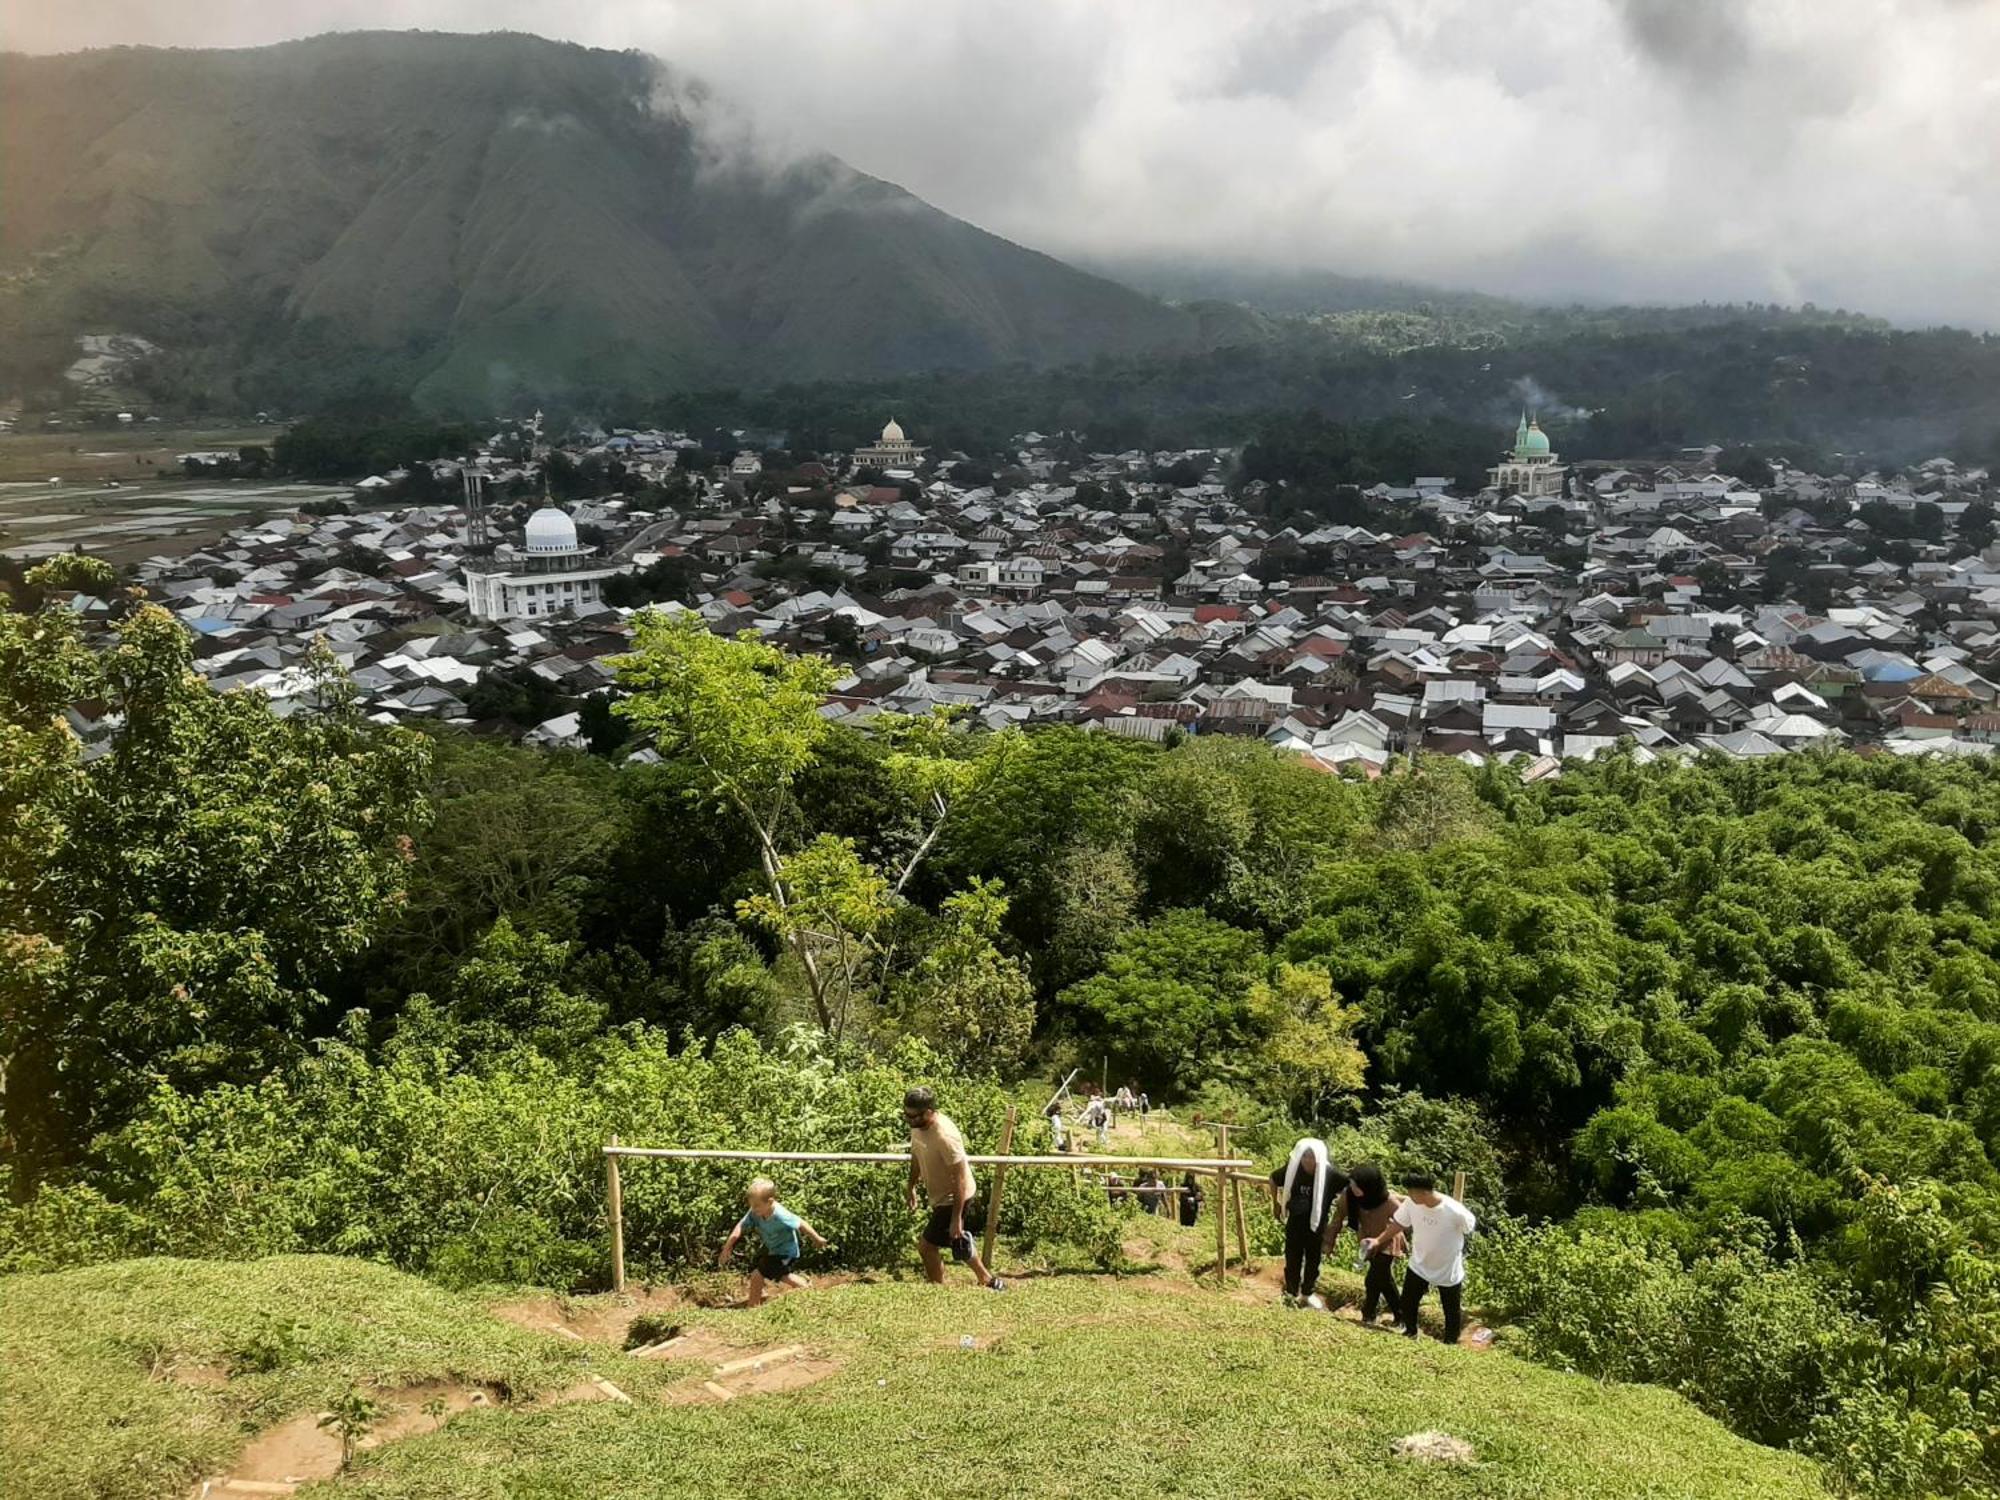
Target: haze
[{"x": 1835, "y": 151}]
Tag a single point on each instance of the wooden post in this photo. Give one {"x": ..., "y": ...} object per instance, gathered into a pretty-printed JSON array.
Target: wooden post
[
  {"x": 1222, "y": 1210},
  {"x": 615, "y": 1197},
  {"x": 1458, "y": 1186},
  {"x": 1236, "y": 1204},
  {"x": 993, "y": 1203}
]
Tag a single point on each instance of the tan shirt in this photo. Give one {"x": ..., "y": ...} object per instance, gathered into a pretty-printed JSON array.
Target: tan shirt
[
  {"x": 1370, "y": 1222},
  {"x": 939, "y": 1153}
]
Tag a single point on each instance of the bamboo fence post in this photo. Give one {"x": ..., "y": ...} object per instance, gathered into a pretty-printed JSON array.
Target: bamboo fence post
[
  {"x": 1222, "y": 1210},
  {"x": 1236, "y": 1204},
  {"x": 615, "y": 1197},
  {"x": 999, "y": 1178},
  {"x": 1458, "y": 1186}
]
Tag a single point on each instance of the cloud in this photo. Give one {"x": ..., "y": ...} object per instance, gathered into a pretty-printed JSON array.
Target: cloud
[{"x": 1839, "y": 151}]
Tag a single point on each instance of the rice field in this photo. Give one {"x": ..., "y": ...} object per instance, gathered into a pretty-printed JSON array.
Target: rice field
[{"x": 121, "y": 494}]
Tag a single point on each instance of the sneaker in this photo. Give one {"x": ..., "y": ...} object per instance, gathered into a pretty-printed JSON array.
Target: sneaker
[
  {"x": 996, "y": 1285},
  {"x": 1316, "y": 1302}
]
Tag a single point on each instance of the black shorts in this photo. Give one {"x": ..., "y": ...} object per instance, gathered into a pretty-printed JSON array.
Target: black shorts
[
  {"x": 938, "y": 1232},
  {"x": 775, "y": 1267}
]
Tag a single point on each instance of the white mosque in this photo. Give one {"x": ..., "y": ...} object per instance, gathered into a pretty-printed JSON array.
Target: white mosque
[
  {"x": 894, "y": 451},
  {"x": 550, "y": 573},
  {"x": 1531, "y": 470}
]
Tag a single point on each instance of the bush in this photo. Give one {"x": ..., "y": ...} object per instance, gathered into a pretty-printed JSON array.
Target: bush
[
  {"x": 497, "y": 1176},
  {"x": 1777, "y": 1350}
]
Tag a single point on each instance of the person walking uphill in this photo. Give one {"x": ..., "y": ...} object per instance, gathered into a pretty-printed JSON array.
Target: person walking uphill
[
  {"x": 1438, "y": 1224},
  {"x": 1370, "y": 1207},
  {"x": 938, "y": 1161},
  {"x": 1304, "y": 1190}
]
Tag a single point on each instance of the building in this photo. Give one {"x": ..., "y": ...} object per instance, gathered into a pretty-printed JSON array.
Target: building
[
  {"x": 894, "y": 451},
  {"x": 549, "y": 574},
  {"x": 1531, "y": 470}
]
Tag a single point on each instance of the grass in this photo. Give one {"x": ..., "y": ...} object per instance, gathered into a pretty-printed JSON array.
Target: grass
[
  {"x": 89, "y": 1400},
  {"x": 1147, "y": 1385}
]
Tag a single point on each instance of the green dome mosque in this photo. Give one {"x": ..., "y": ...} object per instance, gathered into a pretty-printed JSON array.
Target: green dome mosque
[{"x": 1530, "y": 470}]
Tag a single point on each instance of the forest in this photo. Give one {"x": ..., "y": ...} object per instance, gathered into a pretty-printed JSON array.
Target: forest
[
  {"x": 1717, "y": 1043},
  {"x": 1620, "y": 383}
]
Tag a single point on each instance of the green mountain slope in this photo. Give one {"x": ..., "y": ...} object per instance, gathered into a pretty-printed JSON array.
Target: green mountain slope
[
  {"x": 482, "y": 217},
  {"x": 137, "y": 1378}
]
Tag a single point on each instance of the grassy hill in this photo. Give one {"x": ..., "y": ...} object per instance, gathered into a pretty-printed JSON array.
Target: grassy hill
[
  {"x": 480, "y": 218},
  {"x": 140, "y": 1378}
]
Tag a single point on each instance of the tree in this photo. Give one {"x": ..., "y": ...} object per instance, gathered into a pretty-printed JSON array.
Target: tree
[
  {"x": 1435, "y": 803},
  {"x": 510, "y": 992},
  {"x": 969, "y": 1000},
  {"x": 171, "y": 905},
  {"x": 515, "y": 833},
  {"x": 1309, "y": 1054},
  {"x": 1173, "y": 1002},
  {"x": 746, "y": 717}
]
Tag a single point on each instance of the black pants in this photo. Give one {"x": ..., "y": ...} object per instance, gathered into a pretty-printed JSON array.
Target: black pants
[
  {"x": 1414, "y": 1287},
  {"x": 1302, "y": 1251},
  {"x": 1379, "y": 1289}
]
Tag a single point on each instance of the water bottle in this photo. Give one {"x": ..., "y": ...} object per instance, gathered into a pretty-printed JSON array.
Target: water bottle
[{"x": 1367, "y": 1249}]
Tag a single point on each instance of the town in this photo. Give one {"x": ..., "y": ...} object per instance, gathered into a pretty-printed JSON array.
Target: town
[{"x": 1558, "y": 612}]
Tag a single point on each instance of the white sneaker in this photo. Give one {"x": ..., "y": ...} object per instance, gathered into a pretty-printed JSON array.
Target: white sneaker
[{"x": 1316, "y": 1302}]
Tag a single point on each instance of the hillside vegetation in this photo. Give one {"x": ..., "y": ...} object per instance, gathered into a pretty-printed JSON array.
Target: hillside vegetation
[
  {"x": 1717, "y": 1044},
  {"x": 481, "y": 219},
  {"x": 131, "y": 1381}
]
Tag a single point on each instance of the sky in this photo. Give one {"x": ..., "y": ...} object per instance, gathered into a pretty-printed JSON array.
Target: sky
[{"x": 1843, "y": 152}]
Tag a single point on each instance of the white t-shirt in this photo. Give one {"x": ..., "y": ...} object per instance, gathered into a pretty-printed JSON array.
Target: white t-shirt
[{"x": 1437, "y": 1238}]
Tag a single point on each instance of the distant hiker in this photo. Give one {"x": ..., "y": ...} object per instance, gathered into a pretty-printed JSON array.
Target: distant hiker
[
  {"x": 1190, "y": 1201},
  {"x": 939, "y": 1162},
  {"x": 1097, "y": 1115},
  {"x": 779, "y": 1229},
  {"x": 1370, "y": 1207},
  {"x": 1303, "y": 1192},
  {"x": 1145, "y": 1105},
  {"x": 1114, "y": 1188},
  {"x": 1127, "y": 1100},
  {"x": 1058, "y": 1137},
  {"x": 1150, "y": 1191},
  {"x": 1438, "y": 1225}
]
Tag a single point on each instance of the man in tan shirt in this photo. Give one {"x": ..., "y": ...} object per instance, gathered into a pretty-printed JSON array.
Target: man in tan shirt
[{"x": 939, "y": 1162}]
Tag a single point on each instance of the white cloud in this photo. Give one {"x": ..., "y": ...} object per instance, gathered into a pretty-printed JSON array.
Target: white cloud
[{"x": 1842, "y": 151}]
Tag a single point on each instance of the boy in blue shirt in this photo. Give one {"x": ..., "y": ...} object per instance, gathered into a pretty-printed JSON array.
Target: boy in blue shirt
[{"x": 779, "y": 1229}]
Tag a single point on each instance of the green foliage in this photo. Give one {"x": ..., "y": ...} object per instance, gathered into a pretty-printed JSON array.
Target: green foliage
[
  {"x": 494, "y": 1174},
  {"x": 352, "y": 1416},
  {"x": 170, "y": 906},
  {"x": 1174, "y": 1000},
  {"x": 970, "y": 1001}
]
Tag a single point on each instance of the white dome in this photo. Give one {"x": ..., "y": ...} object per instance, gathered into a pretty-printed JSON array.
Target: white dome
[
  {"x": 893, "y": 433},
  {"x": 550, "y": 530}
]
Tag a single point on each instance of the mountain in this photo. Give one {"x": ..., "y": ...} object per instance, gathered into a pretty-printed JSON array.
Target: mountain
[
  {"x": 476, "y": 219},
  {"x": 1298, "y": 292}
]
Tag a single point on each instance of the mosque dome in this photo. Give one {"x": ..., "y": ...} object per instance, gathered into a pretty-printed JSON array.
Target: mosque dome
[
  {"x": 551, "y": 530},
  {"x": 893, "y": 433},
  {"x": 1536, "y": 441}
]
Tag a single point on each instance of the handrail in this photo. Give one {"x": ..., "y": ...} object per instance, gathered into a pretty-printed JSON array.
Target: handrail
[{"x": 1078, "y": 1159}]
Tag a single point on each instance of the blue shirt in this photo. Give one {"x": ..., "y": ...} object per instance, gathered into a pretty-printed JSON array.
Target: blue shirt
[{"x": 780, "y": 1232}]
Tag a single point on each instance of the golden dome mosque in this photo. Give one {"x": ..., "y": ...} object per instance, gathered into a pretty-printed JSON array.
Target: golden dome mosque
[{"x": 893, "y": 451}]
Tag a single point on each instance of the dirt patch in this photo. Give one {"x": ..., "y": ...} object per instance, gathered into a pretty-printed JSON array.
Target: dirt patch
[
  {"x": 199, "y": 1376},
  {"x": 600, "y": 1320},
  {"x": 299, "y": 1450},
  {"x": 1434, "y": 1448},
  {"x": 726, "y": 1371},
  {"x": 788, "y": 1376}
]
